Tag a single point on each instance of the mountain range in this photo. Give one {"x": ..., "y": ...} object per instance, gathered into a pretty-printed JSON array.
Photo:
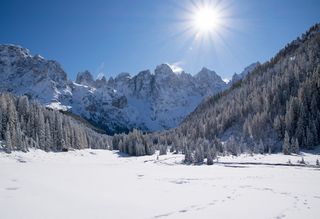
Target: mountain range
[{"x": 149, "y": 101}]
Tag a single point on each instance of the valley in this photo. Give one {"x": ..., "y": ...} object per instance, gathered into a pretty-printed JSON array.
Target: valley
[{"x": 106, "y": 184}]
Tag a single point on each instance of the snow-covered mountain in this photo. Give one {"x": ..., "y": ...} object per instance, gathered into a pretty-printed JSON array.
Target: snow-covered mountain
[
  {"x": 149, "y": 100},
  {"x": 236, "y": 77}
]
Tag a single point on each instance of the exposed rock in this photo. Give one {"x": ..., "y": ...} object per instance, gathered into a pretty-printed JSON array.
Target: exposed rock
[{"x": 149, "y": 101}]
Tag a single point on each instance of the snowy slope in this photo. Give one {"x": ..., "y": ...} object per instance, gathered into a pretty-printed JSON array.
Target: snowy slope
[
  {"x": 149, "y": 100},
  {"x": 100, "y": 184}
]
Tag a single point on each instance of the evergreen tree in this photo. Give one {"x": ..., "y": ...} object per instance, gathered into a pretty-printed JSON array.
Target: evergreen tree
[
  {"x": 48, "y": 138},
  {"x": 199, "y": 156},
  {"x": 188, "y": 159},
  {"x": 8, "y": 141},
  {"x": 286, "y": 147},
  {"x": 295, "y": 146},
  {"x": 209, "y": 157},
  {"x": 163, "y": 150}
]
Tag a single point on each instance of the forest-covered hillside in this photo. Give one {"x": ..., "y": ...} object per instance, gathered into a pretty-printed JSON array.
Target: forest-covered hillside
[
  {"x": 276, "y": 107},
  {"x": 25, "y": 124}
]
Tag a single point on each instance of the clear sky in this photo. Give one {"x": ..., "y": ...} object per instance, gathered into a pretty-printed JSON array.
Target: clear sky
[{"x": 133, "y": 35}]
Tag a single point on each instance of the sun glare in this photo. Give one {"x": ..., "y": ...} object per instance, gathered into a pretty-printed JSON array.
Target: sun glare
[
  {"x": 205, "y": 24},
  {"x": 206, "y": 20}
]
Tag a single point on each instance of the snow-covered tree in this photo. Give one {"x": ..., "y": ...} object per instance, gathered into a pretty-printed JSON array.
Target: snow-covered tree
[
  {"x": 295, "y": 146},
  {"x": 286, "y": 147},
  {"x": 209, "y": 157}
]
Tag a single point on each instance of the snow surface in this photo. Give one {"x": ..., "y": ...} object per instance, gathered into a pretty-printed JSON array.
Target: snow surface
[{"x": 105, "y": 184}]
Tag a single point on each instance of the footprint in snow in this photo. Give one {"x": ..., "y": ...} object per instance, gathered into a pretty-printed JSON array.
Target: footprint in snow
[
  {"x": 180, "y": 181},
  {"x": 281, "y": 216},
  {"x": 20, "y": 160},
  {"x": 12, "y": 188},
  {"x": 213, "y": 202},
  {"x": 162, "y": 215}
]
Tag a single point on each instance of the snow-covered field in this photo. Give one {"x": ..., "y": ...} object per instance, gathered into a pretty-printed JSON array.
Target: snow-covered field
[{"x": 102, "y": 184}]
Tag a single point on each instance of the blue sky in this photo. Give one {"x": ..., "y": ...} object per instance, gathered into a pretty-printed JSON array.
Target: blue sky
[{"x": 133, "y": 35}]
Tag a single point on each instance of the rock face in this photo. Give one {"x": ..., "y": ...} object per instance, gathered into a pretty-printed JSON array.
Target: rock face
[
  {"x": 147, "y": 101},
  {"x": 85, "y": 78},
  {"x": 162, "y": 99},
  {"x": 22, "y": 73},
  {"x": 208, "y": 82}
]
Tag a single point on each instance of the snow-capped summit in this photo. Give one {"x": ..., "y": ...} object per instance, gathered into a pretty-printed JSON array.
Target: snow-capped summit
[
  {"x": 176, "y": 69},
  {"x": 12, "y": 52},
  {"x": 207, "y": 74},
  {"x": 208, "y": 82},
  {"x": 163, "y": 69},
  {"x": 149, "y": 100},
  {"x": 100, "y": 82},
  {"x": 123, "y": 76},
  {"x": 39, "y": 57},
  {"x": 85, "y": 78},
  {"x": 22, "y": 73}
]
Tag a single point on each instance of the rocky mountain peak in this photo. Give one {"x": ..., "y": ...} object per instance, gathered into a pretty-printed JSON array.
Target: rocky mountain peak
[
  {"x": 207, "y": 76},
  {"x": 122, "y": 76},
  {"x": 163, "y": 69},
  {"x": 100, "y": 82},
  {"x": 10, "y": 51},
  {"x": 144, "y": 73},
  {"x": 84, "y": 78}
]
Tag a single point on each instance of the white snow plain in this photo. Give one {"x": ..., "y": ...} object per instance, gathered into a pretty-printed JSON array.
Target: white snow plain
[{"x": 103, "y": 184}]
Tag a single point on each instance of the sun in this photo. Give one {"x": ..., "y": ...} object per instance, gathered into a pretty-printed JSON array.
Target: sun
[
  {"x": 205, "y": 24},
  {"x": 206, "y": 20}
]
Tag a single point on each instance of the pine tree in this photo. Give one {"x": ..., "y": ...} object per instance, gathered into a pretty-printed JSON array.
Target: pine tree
[
  {"x": 8, "y": 141},
  {"x": 41, "y": 130},
  {"x": 286, "y": 144},
  {"x": 48, "y": 138},
  {"x": 188, "y": 159},
  {"x": 261, "y": 147},
  {"x": 198, "y": 155},
  {"x": 12, "y": 123},
  {"x": 163, "y": 150},
  {"x": 209, "y": 157},
  {"x": 2, "y": 126},
  {"x": 295, "y": 146}
]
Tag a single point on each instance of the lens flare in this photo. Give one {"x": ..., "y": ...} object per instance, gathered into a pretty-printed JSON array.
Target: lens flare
[{"x": 206, "y": 20}]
